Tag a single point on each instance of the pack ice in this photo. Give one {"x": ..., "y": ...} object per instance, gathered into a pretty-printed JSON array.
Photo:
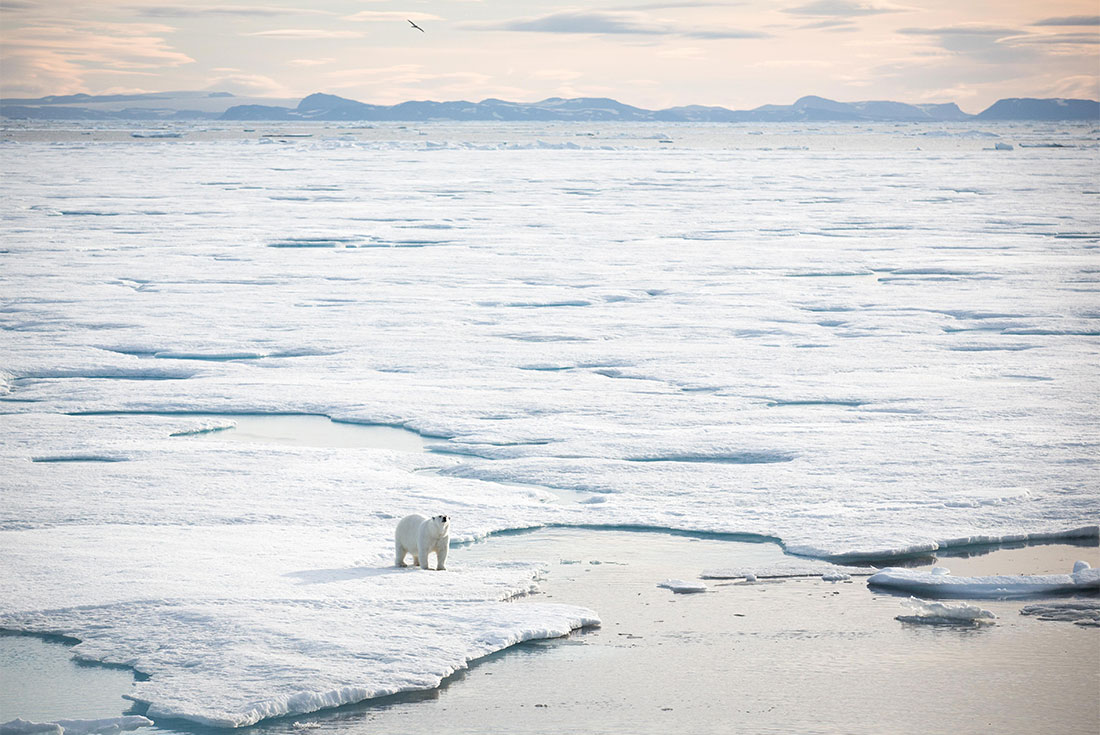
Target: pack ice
[{"x": 854, "y": 347}]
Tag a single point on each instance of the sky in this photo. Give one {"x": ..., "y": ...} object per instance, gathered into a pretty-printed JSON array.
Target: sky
[{"x": 650, "y": 54}]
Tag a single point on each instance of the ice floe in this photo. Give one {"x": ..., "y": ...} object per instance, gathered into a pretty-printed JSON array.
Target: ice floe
[
  {"x": 791, "y": 568},
  {"x": 1081, "y": 612},
  {"x": 681, "y": 586},
  {"x": 941, "y": 613},
  {"x": 232, "y": 663},
  {"x": 103, "y": 726},
  {"x": 940, "y": 583}
]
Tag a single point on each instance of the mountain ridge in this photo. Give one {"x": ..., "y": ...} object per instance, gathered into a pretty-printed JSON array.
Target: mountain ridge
[{"x": 332, "y": 108}]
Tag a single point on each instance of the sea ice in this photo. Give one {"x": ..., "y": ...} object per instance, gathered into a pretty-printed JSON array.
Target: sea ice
[
  {"x": 792, "y": 567},
  {"x": 1082, "y": 612},
  {"x": 103, "y": 726},
  {"x": 940, "y": 583},
  {"x": 941, "y": 613},
  {"x": 681, "y": 586},
  {"x": 611, "y": 324}
]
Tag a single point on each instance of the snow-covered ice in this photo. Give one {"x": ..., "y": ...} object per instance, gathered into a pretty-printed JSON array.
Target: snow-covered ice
[
  {"x": 943, "y": 613},
  {"x": 857, "y": 349},
  {"x": 940, "y": 583}
]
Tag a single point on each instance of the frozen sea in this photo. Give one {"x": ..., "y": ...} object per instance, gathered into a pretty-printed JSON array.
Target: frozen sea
[{"x": 852, "y": 343}]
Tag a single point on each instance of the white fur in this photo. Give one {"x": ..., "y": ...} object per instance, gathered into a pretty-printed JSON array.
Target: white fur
[{"x": 421, "y": 536}]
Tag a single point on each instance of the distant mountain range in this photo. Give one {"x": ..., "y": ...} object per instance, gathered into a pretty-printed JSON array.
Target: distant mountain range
[{"x": 327, "y": 107}]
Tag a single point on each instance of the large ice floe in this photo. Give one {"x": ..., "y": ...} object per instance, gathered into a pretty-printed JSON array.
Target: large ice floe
[
  {"x": 941, "y": 583},
  {"x": 855, "y": 348}
]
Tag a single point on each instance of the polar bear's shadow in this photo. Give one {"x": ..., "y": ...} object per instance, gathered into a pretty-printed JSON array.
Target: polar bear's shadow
[{"x": 345, "y": 574}]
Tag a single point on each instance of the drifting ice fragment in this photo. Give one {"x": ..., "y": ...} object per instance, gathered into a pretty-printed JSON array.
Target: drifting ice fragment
[
  {"x": 789, "y": 568},
  {"x": 75, "y": 727},
  {"x": 1079, "y": 612},
  {"x": 941, "y": 584},
  {"x": 680, "y": 586},
  {"x": 940, "y": 613}
]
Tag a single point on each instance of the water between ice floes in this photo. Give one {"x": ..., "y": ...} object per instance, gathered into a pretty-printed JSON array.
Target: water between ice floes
[{"x": 776, "y": 655}]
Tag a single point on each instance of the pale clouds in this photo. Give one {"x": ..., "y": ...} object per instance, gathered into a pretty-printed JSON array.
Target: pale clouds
[
  {"x": 310, "y": 62},
  {"x": 381, "y": 16},
  {"x": 840, "y": 9},
  {"x": 647, "y": 53},
  {"x": 616, "y": 22},
  {"x": 199, "y": 10},
  {"x": 1073, "y": 20},
  {"x": 246, "y": 84},
  {"x": 304, "y": 33},
  {"x": 68, "y": 56}
]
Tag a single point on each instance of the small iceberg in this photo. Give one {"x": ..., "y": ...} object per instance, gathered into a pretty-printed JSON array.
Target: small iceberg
[
  {"x": 75, "y": 727},
  {"x": 941, "y": 613},
  {"x": 940, "y": 583},
  {"x": 679, "y": 586}
]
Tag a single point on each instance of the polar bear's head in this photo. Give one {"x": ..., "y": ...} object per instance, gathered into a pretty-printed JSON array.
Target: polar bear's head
[{"x": 443, "y": 522}]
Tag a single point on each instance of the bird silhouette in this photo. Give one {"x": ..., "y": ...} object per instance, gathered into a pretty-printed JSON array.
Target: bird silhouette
[{"x": 414, "y": 25}]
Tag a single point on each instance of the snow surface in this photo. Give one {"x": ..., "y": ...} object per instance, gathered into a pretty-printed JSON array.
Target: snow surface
[
  {"x": 102, "y": 726},
  {"x": 940, "y": 583},
  {"x": 857, "y": 348},
  {"x": 942, "y": 613}
]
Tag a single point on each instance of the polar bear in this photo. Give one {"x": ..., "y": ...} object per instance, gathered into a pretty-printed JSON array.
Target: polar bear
[{"x": 421, "y": 536}]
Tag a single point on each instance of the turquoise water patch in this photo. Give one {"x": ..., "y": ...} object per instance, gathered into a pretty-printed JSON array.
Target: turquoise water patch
[
  {"x": 307, "y": 430},
  {"x": 42, "y": 682}
]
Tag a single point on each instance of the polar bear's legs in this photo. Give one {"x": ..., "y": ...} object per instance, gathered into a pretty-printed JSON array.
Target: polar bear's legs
[
  {"x": 399, "y": 556},
  {"x": 440, "y": 557},
  {"x": 424, "y": 550}
]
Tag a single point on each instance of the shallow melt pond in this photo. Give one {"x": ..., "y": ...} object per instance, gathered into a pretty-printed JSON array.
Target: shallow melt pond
[{"x": 304, "y": 430}]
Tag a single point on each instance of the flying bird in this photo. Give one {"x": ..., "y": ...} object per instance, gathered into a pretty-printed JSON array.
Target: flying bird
[{"x": 414, "y": 25}]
